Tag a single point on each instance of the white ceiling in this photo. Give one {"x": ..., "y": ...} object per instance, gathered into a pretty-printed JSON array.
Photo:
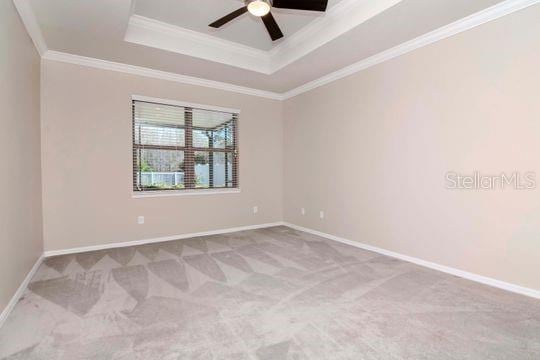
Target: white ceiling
[
  {"x": 247, "y": 29},
  {"x": 178, "y": 40}
]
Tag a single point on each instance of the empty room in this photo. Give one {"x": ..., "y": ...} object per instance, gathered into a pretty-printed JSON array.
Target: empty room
[{"x": 270, "y": 179}]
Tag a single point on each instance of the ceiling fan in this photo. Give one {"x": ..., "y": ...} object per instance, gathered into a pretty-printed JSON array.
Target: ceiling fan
[{"x": 261, "y": 8}]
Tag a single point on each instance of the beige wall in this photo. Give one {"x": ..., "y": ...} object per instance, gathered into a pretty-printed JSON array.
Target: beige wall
[
  {"x": 372, "y": 151},
  {"x": 87, "y": 131},
  {"x": 20, "y": 186}
]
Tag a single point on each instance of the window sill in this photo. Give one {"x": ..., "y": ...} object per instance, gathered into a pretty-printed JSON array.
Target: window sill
[{"x": 166, "y": 193}]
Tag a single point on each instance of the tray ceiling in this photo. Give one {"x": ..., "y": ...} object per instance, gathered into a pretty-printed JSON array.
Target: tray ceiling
[
  {"x": 246, "y": 30},
  {"x": 172, "y": 35}
]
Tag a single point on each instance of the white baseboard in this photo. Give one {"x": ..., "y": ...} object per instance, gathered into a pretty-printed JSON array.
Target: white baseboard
[
  {"x": 26, "y": 281},
  {"x": 446, "y": 269},
  {"x": 15, "y": 298},
  {"x": 158, "y": 239}
]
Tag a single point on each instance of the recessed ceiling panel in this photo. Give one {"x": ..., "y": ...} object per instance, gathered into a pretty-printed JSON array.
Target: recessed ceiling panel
[
  {"x": 97, "y": 29},
  {"x": 246, "y": 29}
]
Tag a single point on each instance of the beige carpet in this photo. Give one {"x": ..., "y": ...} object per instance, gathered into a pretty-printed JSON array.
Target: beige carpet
[{"x": 264, "y": 294}]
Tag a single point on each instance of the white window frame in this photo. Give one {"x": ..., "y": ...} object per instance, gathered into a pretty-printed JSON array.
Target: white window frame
[{"x": 189, "y": 192}]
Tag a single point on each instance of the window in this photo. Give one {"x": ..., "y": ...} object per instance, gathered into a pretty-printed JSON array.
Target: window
[{"x": 183, "y": 148}]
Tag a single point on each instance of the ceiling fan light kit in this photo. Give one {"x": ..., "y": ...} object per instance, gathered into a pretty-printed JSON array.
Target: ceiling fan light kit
[
  {"x": 258, "y": 7},
  {"x": 262, "y": 9}
]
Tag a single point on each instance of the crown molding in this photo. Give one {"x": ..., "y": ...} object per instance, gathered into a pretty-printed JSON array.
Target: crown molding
[
  {"x": 492, "y": 13},
  {"x": 30, "y": 23},
  {"x": 156, "y": 74},
  {"x": 495, "y": 12},
  {"x": 149, "y": 32},
  {"x": 339, "y": 19}
]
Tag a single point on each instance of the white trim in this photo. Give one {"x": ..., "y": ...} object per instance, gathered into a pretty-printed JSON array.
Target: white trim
[
  {"x": 446, "y": 269},
  {"x": 339, "y": 19},
  {"x": 157, "y": 193},
  {"x": 20, "y": 291},
  {"x": 156, "y": 74},
  {"x": 153, "y": 33},
  {"x": 184, "y": 104},
  {"x": 30, "y": 23},
  {"x": 492, "y": 13},
  {"x": 158, "y": 239},
  {"x": 132, "y": 7},
  {"x": 495, "y": 12},
  {"x": 336, "y": 21}
]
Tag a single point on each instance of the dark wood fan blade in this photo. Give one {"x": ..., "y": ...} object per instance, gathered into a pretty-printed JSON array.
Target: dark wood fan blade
[
  {"x": 313, "y": 5},
  {"x": 272, "y": 26},
  {"x": 220, "y": 22}
]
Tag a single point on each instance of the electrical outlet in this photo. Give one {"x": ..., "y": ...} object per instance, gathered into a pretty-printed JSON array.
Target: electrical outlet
[
  {"x": 255, "y": 209},
  {"x": 140, "y": 220},
  {"x": 321, "y": 214},
  {"x": 303, "y": 211}
]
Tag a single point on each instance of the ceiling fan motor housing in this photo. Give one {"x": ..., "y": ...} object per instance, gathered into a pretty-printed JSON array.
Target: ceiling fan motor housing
[{"x": 261, "y": 8}]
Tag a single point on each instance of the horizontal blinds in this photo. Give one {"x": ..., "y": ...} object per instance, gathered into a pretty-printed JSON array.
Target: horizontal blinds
[{"x": 177, "y": 148}]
